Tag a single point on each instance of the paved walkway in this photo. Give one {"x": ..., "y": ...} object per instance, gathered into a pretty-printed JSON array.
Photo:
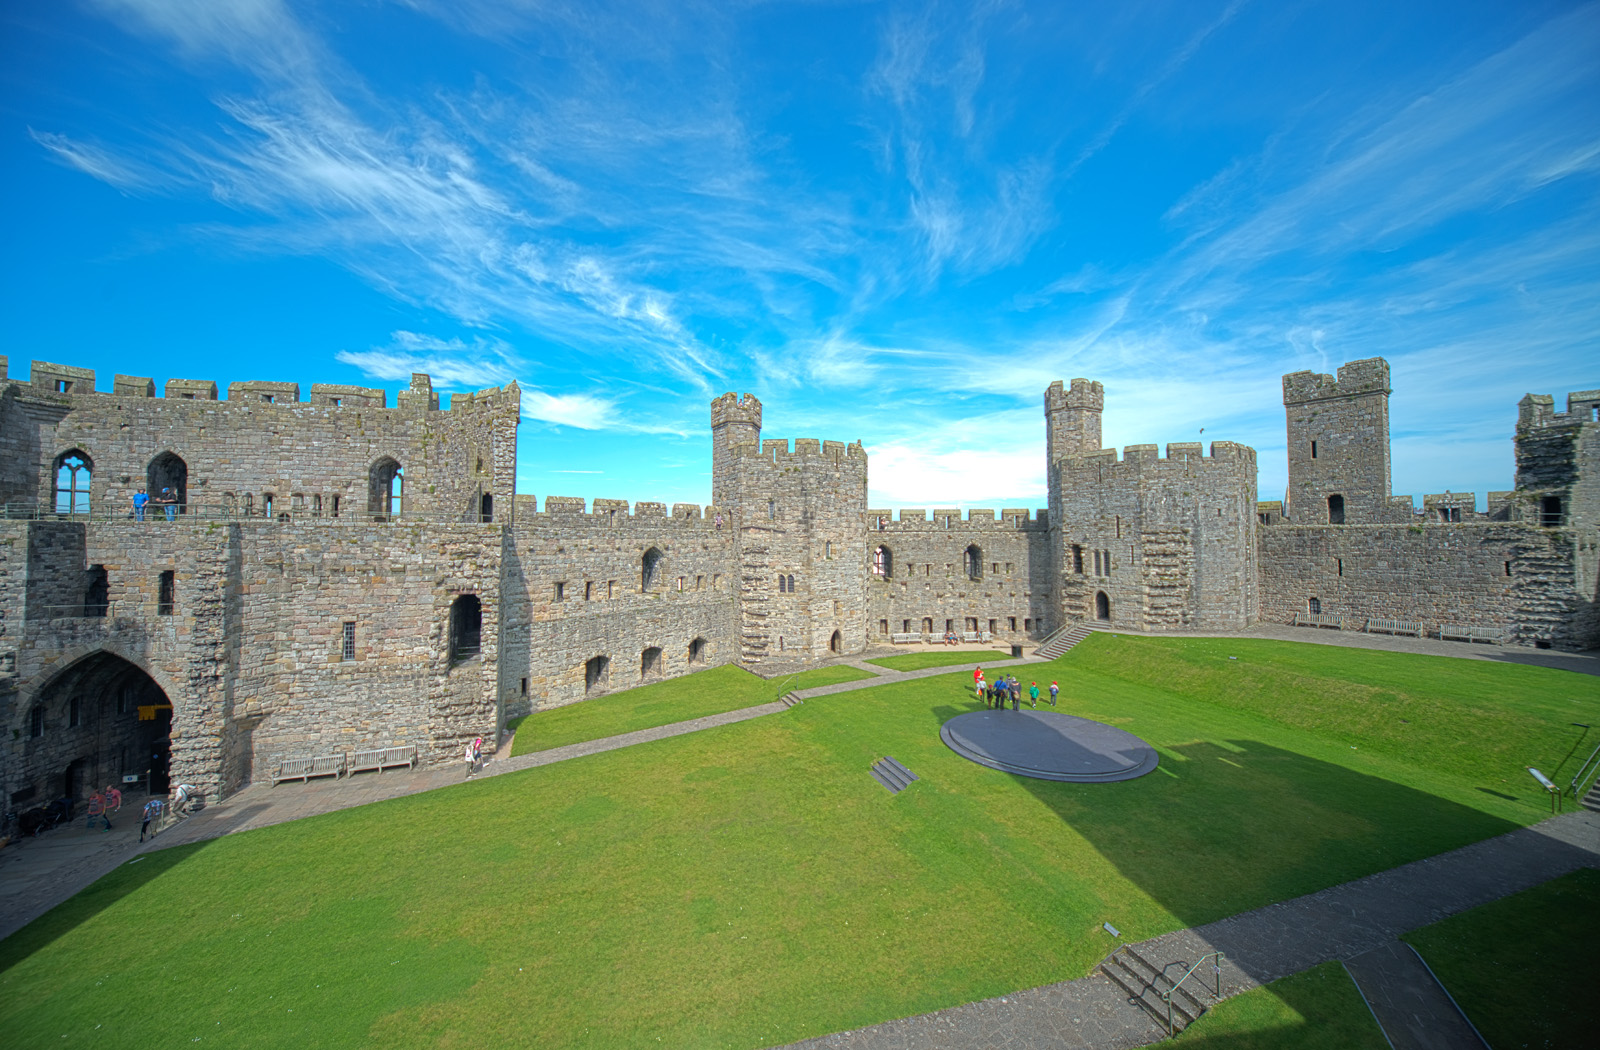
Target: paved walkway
[
  {"x": 1411, "y": 1006},
  {"x": 1342, "y": 922}
]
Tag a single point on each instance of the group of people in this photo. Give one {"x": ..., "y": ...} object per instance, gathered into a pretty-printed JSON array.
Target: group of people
[
  {"x": 1008, "y": 687},
  {"x": 102, "y": 804},
  {"x": 166, "y": 500},
  {"x": 474, "y": 757}
]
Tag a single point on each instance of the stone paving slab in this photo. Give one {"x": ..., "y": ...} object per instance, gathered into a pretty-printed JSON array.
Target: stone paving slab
[
  {"x": 1415, "y": 1012},
  {"x": 1340, "y": 922}
]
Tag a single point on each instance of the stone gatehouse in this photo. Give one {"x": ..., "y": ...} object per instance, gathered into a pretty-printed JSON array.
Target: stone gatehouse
[{"x": 325, "y": 575}]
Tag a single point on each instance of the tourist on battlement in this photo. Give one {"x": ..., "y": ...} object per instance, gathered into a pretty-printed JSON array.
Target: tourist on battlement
[{"x": 139, "y": 500}]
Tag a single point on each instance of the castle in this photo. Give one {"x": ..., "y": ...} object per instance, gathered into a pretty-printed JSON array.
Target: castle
[{"x": 337, "y": 573}]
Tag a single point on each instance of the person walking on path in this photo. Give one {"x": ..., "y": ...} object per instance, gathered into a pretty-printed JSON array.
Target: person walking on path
[
  {"x": 1033, "y": 694},
  {"x": 1054, "y": 689},
  {"x": 152, "y": 810},
  {"x": 471, "y": 765},
  {"x": 139, "y": 500},
  {"x": 97, "y": 810},
  {"x": 113, "y": 799},
  {"x": 477, "y": 752}
]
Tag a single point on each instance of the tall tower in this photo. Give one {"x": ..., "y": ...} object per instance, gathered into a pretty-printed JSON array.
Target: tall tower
[
  {"x": 1339, "y": 444},
  {"x": 1072, "y": 419},
  {"x": 735, "y": 421}
]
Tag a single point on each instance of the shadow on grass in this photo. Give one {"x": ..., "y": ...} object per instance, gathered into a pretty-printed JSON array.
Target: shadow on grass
[
  {"x": 1225, "y": 827},
  {"x": 115, "y": 884}
]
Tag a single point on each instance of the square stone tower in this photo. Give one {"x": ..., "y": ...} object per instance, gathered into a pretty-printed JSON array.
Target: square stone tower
[{"x": 1339, "y": 445}]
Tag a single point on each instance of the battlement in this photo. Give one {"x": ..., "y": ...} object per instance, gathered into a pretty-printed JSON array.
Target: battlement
[
  {"x": 67, "y": 380},
  {"x": 736, "y": 408},
  {"x": 1539, "y": 410},
  {"x": 1082, "y": 394},
  {"x": 915, "y": 519},
  {"x": 806, "y": 450},
  {"x": 1368, "y": 376},
  {"x": 1179, "y": 453},
  {"x": 616, "y": 513}
]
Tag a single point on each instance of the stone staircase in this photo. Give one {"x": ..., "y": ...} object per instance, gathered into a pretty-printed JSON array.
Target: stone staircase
[
  {"x": 1145, "y": 985},
  {"x": 1063, "y": 640},
  {"x": 1591, "y": 801}
]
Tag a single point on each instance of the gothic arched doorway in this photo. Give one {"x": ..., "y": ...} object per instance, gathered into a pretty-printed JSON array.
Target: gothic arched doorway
[
  {"x": 96, "y": 721},
  {"x": 168, "y": 471},
  {"x": 1102, "y": 606}
]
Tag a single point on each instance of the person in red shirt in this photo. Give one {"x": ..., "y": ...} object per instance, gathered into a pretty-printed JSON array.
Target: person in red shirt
[{"x": 97, "y": 809}]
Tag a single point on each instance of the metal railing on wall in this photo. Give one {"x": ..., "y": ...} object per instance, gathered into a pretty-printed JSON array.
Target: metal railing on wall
[{"x": 198, "y": 512}]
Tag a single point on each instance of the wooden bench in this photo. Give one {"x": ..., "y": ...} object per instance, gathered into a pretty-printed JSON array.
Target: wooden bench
[
  {"x": 303, "y": 769},
  {"x": 905, "y": 639},
  {"x": 381, "y": 758},
  {"x": 1319, "y": 620},
  {"x": 1377, "y": 625},
  {"x": 1465, "y": 632},
  {"x": 975, "y": 636}
]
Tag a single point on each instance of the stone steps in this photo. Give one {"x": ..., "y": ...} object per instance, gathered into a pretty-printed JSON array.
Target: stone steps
[
  {"x": 1145, "y": 984},
  {"x": 892, "y": 774},
  {"x": 1064, "y": 642}
]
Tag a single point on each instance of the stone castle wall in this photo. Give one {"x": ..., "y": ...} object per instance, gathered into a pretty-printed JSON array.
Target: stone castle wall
[{"x": 928, "y": 585}]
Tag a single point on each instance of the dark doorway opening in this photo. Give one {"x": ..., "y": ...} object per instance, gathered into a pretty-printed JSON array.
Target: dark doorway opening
[
  {"x": 697, "y": 652},
  {"x": 1335, "y": 510},
  {"x": 596, "y": 674},
  {"x": 836, "y": 643},
  {"x": 167, "y": 478},
  {"x": 466, "y": 628},
  {"x": 1550, "y": 511},
  {"x": 99, "y": 720},
  {"x": 1102, "y": 606}
]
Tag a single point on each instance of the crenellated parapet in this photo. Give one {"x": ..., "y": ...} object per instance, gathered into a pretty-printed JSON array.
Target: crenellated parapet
[
  {"x": 1355, "y": 378},
  {"x": 1183, "y": 458},
  {"x": 917, "y": 520},
  {"x": 619, "y": 514}
]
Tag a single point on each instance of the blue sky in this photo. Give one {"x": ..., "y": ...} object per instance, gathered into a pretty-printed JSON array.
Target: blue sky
[{"x": 891, "y": 223}]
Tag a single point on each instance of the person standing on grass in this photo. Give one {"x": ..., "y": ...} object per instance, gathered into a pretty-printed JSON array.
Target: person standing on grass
[
  {"x": 1016, "y": 695},
  {"x": 978, "y": 684},
  {"x": 977, "y": 673},
  {"x": 1054, "y": 689},
  {"x": 1033, "y": 694},
  {"x": 152, "y": 810}
]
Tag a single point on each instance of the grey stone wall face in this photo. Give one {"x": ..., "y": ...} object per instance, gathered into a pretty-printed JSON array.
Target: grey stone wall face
[
  {"x": 1347, "y": 419},
  {"x": 1168, "y": 540},
  {"x": 928, "y": 578}
]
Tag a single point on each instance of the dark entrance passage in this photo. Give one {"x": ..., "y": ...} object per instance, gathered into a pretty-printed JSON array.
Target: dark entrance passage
[
  {"x": 168, "y": 471},
  {"x": 1102, "y": 606},
  {"x": 99, "y": 720}
]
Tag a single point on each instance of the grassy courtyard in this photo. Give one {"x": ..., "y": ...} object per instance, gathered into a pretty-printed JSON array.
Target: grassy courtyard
[
  {"x": 934, "y": 658},
  {"x": 751, "y": 885},
  {"x": 709, "y": 692},
  {"x": 1320, "y": 1009}
]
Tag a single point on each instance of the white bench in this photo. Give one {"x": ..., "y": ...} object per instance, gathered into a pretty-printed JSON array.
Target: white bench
[
  {"x": 975, "y": 636},
  {"x": 381, "y": 758},
  {"x": 905, "y": 639},
  {"x": 1319, "y": 620},
  {"x": 303, "y": 769},
  {"x": 1377, "y": 625},
  {"x": 1465, "y": 632}
]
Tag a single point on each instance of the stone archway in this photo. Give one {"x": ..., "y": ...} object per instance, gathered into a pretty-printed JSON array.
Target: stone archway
[
  {"x": 95, "y": 719},
  {"x": 1102, "y": 606}
]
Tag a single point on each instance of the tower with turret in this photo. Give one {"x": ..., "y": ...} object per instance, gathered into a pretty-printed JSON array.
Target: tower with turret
[
  {"x": 801, "y": 552},
  {"x": 1338, "y": 431}
]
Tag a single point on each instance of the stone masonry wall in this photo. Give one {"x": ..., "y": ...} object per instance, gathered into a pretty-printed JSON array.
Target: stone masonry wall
[{"x": 928, "y": 575}]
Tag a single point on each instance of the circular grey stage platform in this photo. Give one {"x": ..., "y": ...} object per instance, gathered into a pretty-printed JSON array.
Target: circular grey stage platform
[{"x": 1047, "y": 745}]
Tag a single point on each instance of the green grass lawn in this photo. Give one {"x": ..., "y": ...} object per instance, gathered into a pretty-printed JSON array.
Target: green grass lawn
[
  {"x": 709, "y": 692},
  {"x": 751, "y": 885},
  {"x": 1520, "y": 967},
  {"x": 933, "y": 658},
  {"x": 1320, "y": 1009}
]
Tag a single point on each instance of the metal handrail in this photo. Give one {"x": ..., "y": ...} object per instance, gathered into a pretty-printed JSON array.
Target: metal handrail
[
  {"x": 1216, "y": 967},
  {"x": 1589, "y": 766},
  {"x": 155, "y": 515}
]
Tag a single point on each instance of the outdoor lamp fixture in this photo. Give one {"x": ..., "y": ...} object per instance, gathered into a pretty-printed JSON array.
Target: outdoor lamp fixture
[{"x": 1544, "y": 782}]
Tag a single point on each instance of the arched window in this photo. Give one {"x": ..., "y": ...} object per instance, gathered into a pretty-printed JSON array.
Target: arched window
[
  {"x": 466, "y": 628},
  {"x": 72, "y": 483},
  {"x": 649, "y": 576},
  {"x": 596, "y": 674},
  {"x": 1313, "y": 606},
  {"x": 974, "y": 559},
  {"x": 1550, "y": 511},
  {"x": 650, "y": 662},
  {"x": 783, "y": 584},
  {"x": 882, "y": 563},
  {"x": 1102, "y": 606},
  {"x": 791, "y": 584},
  {"x": 167, "y": 479},
  {"x": 385, "y": 489},
  {"x": 697, "y": 652},
  {"x": 836, "y": 643},
  {"x": 1335, "y": 510}
]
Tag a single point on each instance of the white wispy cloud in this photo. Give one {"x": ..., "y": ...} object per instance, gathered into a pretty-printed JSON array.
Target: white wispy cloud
[{"x": 108, "y": 166}]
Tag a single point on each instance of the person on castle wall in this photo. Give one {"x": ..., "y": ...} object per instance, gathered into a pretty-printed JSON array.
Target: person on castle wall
[
  {"x": 139, "y": 500},
  {"x": 168, "y": 502}
]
